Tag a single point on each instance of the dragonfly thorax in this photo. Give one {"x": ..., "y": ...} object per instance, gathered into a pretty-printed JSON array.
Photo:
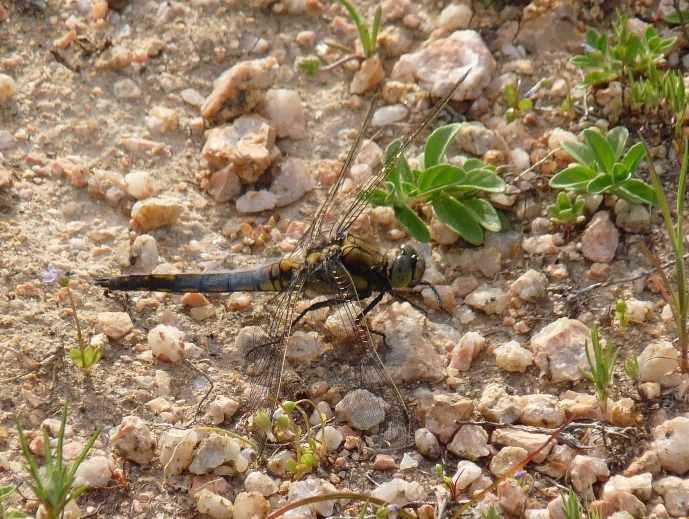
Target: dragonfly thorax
[{"x": 404, "y": 266}]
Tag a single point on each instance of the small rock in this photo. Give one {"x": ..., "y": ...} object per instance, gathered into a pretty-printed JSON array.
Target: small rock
[
  {"x": 134, "y": 440},
  {"x": 7, "y": 88},
  {"x": 600, "y": 239},
  {"x": 487, "y": 299},
  {"x": 239, "y": 89},
  {"x": 213, "y": 505},
  {"x": 408, "y": 462},
  {"x": 7, "y": 141},
  {"x": 506, "y": 459},
  {"x": 166, "y": 343},
  {"x": 639, "y": 311},
  {"x": 559, "y": 351},
  {"x": 530, "y": 286},
  {"x": 114, "y": 325},
  {"x": 154, "y": 213},
  {"x": 498, "y": 406},
  {"x": 292, "y": 182},
  {"x": 470, "y": 442},
  {"x": 140, "y": 185},
  {"x": 333, "y": 438},
  {"x": 466, "y": 351},
  {"x": 441, "y": 62},
  {"x": 473, "y": 137},
  {"x": 467, "y": 472},
  {"x": 511, "y": 496},
  {"x": 675, "y": 492},
  {"x": 313, "y": 487},
  {"x": 261, "y": 483},
  {"x": 657, "y": 361},
  {"x": 427, "y": 443},
  {"x": 639, "y": 486},
  {"x": 512, "y": 357},
  {"x": 585, "y": 471},
  {"x": 248, "y": 143},
  {"x": 368, "y": 76},
  {"x": 225, "y": 184},
  {"x": 455, "y": 17},
  {"x": 671, "y": 445},
  {"x": 192, "y": 96},
  {"x": 283, "y": 108},
  {"x": 530, "y": 442},
  {"x": 216, "y": 454},
  {"x": 107, "y": 185},
  {"x": 145, "y": 249},
  {"x": 126, "y": 89},
  {"x": 177, "y": 450},
  {"x": 74, "y": 168},
  {"x": 387, "y": 115},
  {"x": 162, "y": 119},
  {"x": 384, "y": 462},
  {"x": 544, "y": 244},
  {"x": 399, "y": 492},
  {"x": 222, "y": 409},
  {"x": 277, "y": 463},
  {"x": 647, "y": 462},
  {"x": 95, "y": 472},
  {"x": 632, "y": 218},
  {"x": 541, "y": 410},
  {"x": 444, "y": 411}
]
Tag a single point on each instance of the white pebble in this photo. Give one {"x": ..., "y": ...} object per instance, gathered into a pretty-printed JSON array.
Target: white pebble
[
  {"x": 94, "y": 472},
  {"x": 261, "y": 483},
  {"x": 214, "y": 505},
  {"x": 408, "y": 462},
  {"x": 166, "y": 343},
  {"x": 512, "y": 357},
  {"x": 7, "y": 88},
  {"x": 455, "y": 17},
  {"x": 139, "y": 184}
]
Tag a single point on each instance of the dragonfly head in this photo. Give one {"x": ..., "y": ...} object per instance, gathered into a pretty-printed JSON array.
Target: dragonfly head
[{"x": 405, "y": 266}]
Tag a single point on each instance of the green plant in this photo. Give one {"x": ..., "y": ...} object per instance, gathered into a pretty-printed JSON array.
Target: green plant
[
  {"x": 452, "y": 192},
  {"x": 53, "y": 484},
  {"x": 677, "y": 294},
  {"x": 368, "y": 38},
  {"x": 631, "y": 366},
  {"x": 566, "y": 211},
  {"x": 6, "y": 513},
  {"x": 601, "y": 365},
  {"x": 84, "y": 356},
  {"x": 492, "y": 512},
  {"x": 571, "y": 506},
  {"x": 516, "y": 107},
  {"x": 622, "y": 314},
  {"x": 600, "y": 167},
  {"x": 631, "y": 54}
]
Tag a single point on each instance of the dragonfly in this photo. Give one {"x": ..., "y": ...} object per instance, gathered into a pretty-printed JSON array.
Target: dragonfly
[{"x": 332, "y": 269}]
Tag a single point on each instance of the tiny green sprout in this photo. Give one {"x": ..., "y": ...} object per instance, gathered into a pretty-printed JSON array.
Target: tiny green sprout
[
  {"x": 85, "y": 356},
  {"x": 601, "y": 168},
  {"x": 455, "y": 194},
  {"x": 53, "y": 483},
  {"x": 289, "y": 406},
  {"x": 567, "y": 212},
  {"x": 263, "y": 422},
  {"x": 439, "y": 471},
  {"x": 566, "y": 109},
  {"x": 282, "y": 421},
  {"x": 492, "y": 512},
  {"x": 631, "y": 366},
  {"x": 6, "y": 513},
  {"x": 368, "y": 38},
  {"x": 311, "y": 65},
  {"x": 570, "y": 505},
  {"x": 601, "y": 366},
  {"x": 622, "y": 314},
  {"x": 516, "y": 107}
]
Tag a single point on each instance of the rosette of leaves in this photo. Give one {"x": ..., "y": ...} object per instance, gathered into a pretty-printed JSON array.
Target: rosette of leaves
[
  {"x": 601, "y": 168},
  {"x": 455, "y": 194}
]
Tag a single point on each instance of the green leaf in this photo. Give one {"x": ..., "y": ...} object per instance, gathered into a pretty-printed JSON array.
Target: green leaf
[
  {"x": 605, "y": 153},
  {"x": 600, "y": 184},
  {"x": 510, "y": 94},
  {"x": 437, "y": 144},
  {"x": 484, "y": 213},
  {"x": 409, "y": 190},
  {"x": 620, "y": 173},
  {"x": 617, "y": 138},
  {"x": 525, "y": 104},
  {"x": 457, "y": 217},
  {"x": 378, "y": 197},
  {"x": 484, "y": 180},
  {"x": 633, "y": 157},
  {"x": 598, "y": 77},
  {"x": 636, "y": 191},
  {"x": 580, "y": 152},
  {"x": 594, "y": 38},
  {"x": 75, "y": 355},
  {"x": 412, "y": 223},
  {"x": 439, "y": 177},
  {"x": 574, "y": 177},
  {"x": 673, "y": 18}
]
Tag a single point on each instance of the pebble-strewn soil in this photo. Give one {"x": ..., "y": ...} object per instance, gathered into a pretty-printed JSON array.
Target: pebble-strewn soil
[{"x": 99, "y": 93}]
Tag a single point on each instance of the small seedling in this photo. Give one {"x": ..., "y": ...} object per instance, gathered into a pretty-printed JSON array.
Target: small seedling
[
  {"x": 631, "y": 54},
  {"x": 571, "y": 506},
  {"x": 53, "y": 483},
  {"x": 631, "y": 367},
  {"x": 450, "y": 483},
  {"x": 622, "y": 315},
  {"x": 676, "y": 294},
  {"x": 516, "y": 107},
  {"x": 600, "y": 168},
  {"x": 452, "y": 192},
  {"x": 84, "y": 356},
  {"x": 566, "y": 211},
  {"x": 7, "y": 513},
  {"x": 601, "y": 366},
  {"x": 492, "y": 512}
]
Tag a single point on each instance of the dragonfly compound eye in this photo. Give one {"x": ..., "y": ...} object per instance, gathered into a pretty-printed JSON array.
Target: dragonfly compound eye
[{"x": 406, "y": 268}]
